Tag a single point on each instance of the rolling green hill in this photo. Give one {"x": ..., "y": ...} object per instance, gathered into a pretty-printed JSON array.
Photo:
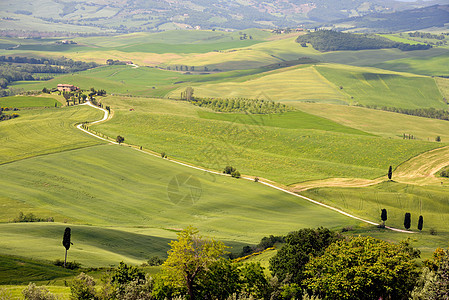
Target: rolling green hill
[
  {"x": 26, "y": 102},
  {"x": 126, "y": 207},
  {"x": 284, "y": 155},
  {"x": 43, "y": 131}
]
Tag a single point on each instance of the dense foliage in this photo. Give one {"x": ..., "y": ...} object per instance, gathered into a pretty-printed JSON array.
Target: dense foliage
[
  {"x": 362, "y": 268},
  {"x": 329, "y": 40},
  {"x": 252, "y": 106},
  {"x": 300, "y": 246}
]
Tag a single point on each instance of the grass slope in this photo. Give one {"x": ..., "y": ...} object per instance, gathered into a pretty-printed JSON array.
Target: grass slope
[
  {"x": 297, "y": 83},
  {"x": 384, "y": 88},
  {"x": 288, "y": 120},
  {"x": 43, "y": 131},
  {"x": 381, "y": 123},
  {"x": 284, "y": 155},
  {"x": 397, "y": 198},
  {"x": 17, "y": 270},
  {"x": 92, "y": 246},
  {"x": 434, "y": 65},
  {"x": 96, "y": 186},
  {"x": 28, "y": 101}
]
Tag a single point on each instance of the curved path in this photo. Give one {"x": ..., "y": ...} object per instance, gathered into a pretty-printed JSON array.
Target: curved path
[{"x": 106, "y": 117}]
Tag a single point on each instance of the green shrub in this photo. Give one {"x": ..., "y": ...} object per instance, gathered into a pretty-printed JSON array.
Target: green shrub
[
  {"x": 83, "y": 288},
  {"x": 71, "y": 265},
  {"x": 155, "y": 261},
  {"x": 32, "y": 292}
]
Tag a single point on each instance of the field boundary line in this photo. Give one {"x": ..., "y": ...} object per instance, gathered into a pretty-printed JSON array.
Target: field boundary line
[{"x": 106, "y": 117}]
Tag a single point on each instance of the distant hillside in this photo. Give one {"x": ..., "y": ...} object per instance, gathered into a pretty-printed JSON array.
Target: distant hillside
[
  {"x": 95, "y": 16},
  {"x": 328, "y": 40},
  {"x": 407, "y": 20}
]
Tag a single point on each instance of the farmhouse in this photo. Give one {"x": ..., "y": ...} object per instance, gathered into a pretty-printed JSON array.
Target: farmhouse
[{"x": 67, "y": 87}]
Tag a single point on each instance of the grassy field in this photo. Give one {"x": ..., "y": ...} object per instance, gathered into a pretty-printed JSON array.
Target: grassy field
[
  {"x": 28, "y": 101},
  {"x": 15, "y": 291},
  {"x": 381, "y": 123},
  {"x": 136, "y": 81},
  {"x": 384, "y": 88},
  {"x": 435, "y": 65},
  {"x": 397, "y": 198},
  {"x": 43, "y": 131},
  {"x": 297, "y": 83},
  {"x": 130, "y": 211},
  {"x": 329, "y": 83},
  {"x": 284, "y": 155},
  {"x": 16, "y": 270},
  {"x": 288, "y": 120}
]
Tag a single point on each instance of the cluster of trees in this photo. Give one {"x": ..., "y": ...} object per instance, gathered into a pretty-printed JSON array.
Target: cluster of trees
[
  {"x": 30, "y": 217},
  {"x": 81, "y": 97},
  {"x": 430, "y": 113},
  {"x": 312, "y": 264},
  {"x": 444, "y": 172},
  {"x": 231, "y": 171},
  {"x": 115, "y": 62},
  {"x": 252, "y": 106},
  {"x": 265, "y": 243},
  {"x": 329, "y": 40}
]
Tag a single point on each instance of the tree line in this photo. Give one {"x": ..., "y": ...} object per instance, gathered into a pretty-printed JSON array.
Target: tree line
[
  {"x": 329, "y": 40},
  {"x": 426, "y": 35},
  {"x": 430, "y": 113}
]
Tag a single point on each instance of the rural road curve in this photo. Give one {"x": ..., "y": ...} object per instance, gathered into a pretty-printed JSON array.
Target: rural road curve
[{"x": 106, "y": 116}]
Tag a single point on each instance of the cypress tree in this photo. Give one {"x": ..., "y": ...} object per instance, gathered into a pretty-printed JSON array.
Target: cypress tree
[
  {"x": 407, "y": 221},
  {"x": 383, "y": 216},
  {"x": 390, "y": 173},
  {"x": 66, "y": 242},
  {"x": 420, "y": 223}
]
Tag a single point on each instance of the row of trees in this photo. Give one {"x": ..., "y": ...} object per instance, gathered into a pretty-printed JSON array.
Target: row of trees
[
  {"x": 426, "y": 35},
  {"x": 430, "y": 113},
  {"x": 313, "y": 264},
  {"x": 407, "y": 220}
]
